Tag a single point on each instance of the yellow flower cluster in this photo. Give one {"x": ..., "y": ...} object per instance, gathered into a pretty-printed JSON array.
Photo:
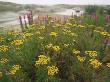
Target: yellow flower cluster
[
  {"x": 108, "y": 65},
  {"x": 14, "y": 69},
  {"x": 27, "y": 34},
  {"x": 68, "y": 26},
  {"x": 95, "y": 63},
  {"x": 76, "y": 52},
  {"x": 52, "y": 70},
  {"x": 81, "y": 59},
  {"x": 68, "y": 32},
  {"x": 105, "y": 33},
  {"x": 43, "y": 60},
  {"x": 71, "y": 19},
  {"x": 3, "y": 60},
  {"x": 1, "y": 74},
  {"x": 102, "y": 33},
  {"x": 17, "y": 42},
  {"x": 55, "y": 48},
  {"x": 4, "y": 48},
  {"x": 53, "y": 34},
  {"x": 81, "y": 26},
  {"x": 91, "y": 53}
]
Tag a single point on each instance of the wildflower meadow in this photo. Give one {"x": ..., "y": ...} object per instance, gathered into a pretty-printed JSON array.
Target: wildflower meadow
[{"x": 76, "y": 50}]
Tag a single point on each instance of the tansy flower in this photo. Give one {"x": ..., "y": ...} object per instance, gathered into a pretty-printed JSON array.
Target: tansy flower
[
  {"x": 43, "y": 60},
  {"x": 91, "y": 53},
  {"x": 76, "y": 52},
  {"x": 81, "y": 59},
  {"x": 56, "y": 48},
  {"x": 66, "y": 45},
  {"x": 97, "y": 31},
  {"x": 14, "y": 69},
  {"x": 3, "y": 60},
  {"x": 49, "y": 45},
  {"x": 4, "y": 48},
  {"x": 41, "y": 37},
  {"x": 95, "y": 63},
  {"x": 81, "y": 26},
  {"x": 108, "y": 65},
  {"x": 53, "y": 34},
  {"x": 52, "y": 70},
  {"x": 17, "y": 42},
  {"x": 68, "y": 25},
  {"x": 105, "y": 33},
  {"x": 27, "y": 34}
]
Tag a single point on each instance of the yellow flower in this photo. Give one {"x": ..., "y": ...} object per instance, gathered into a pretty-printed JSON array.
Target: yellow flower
[
  {"x": 108, "y": 65},
  {"x": 95, "y": 63},
  {"x": 49, "y": 45},
  {"x": 81, "y": 26},
  {"x": 1, "y": 74},
  {"x": 91, "y": 53},
  {"x": 41, "y": 37},
  {"x": 68, "y": 25},
  {"x": 52, "y": 70},
  {"x": 105, "y": 33},
  {"x": 43, "y": 60},
  {"x": 66, "y": 45},
  {"x": 3, "y": 48},
  {"x": 77, "y": 52},
  {"x": 17, "y": 42},
  {"x": 3, "y": 60},
  {"x": 27, "y": 34},
  {"x": 97, "y": 31},
  {"x": 56, "y": 48},
  {"x": 81, "y": 59},
  {"x": 53, "y": 34},
  {"x": 14, "y": 69},
  {"x": 68, "y": 32}
]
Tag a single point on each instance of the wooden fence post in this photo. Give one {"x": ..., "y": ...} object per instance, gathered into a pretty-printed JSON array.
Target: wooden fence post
[{"x": 21, "y": 23}]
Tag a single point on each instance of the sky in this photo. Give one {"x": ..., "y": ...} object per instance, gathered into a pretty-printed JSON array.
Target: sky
[{"x": 52, "y": 2}]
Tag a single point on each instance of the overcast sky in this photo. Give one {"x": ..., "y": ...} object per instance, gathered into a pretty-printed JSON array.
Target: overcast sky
[{"x": 51, "y": 2}]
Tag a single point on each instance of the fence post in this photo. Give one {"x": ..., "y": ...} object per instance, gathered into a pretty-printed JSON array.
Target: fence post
[
  {"x": 25, "y": 22},
  {"x": 21, "y": 23}
]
